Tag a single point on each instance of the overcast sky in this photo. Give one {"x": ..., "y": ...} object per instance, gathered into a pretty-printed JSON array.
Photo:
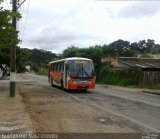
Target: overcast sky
[{"x": 55, "y": 25}]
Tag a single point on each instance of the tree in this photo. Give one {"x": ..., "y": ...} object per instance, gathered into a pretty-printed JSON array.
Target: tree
[
  {"x": 22, "y": 55},
  {"x": 109, "y": 50},
  {"x": 95, "y": 53},
  {"x": 120, "y": 46},
  {"x": 156, "y": 49},
  {"x": 8, "y": 34},
  {"x": 134, "y": 46},
  {"x": 70, "y": 52},
  {"x": 37, "y": 57},
  {"x": 149, "y": 45}
]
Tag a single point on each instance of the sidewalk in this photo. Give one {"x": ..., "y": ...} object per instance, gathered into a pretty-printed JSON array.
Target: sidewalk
[{"x": 13, "y": 116}]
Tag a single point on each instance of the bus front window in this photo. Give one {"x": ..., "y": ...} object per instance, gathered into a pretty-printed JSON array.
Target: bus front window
[{"x": 81, "y": 68}]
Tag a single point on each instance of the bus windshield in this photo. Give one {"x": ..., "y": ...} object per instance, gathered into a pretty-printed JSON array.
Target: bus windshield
[{"x": 80, "y": 68}]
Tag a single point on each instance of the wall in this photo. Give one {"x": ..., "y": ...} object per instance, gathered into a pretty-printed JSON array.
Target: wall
[
  {"x": 154, "y": 56},
  {"x": 112, "y": 60}
]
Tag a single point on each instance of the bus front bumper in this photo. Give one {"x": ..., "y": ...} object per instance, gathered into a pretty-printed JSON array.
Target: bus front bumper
[{"x": 80, "y": 86}]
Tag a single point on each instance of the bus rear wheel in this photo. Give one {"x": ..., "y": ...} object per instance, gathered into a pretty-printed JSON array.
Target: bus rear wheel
[{"x": 62, "y": 86}]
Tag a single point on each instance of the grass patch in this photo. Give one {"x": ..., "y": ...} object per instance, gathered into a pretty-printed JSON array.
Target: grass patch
[
  {"x": 43, "y": 72},
  {"x": 117, "y": 81}
]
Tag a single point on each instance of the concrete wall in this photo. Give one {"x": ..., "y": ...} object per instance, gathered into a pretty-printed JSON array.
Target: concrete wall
[
  {"x": 155, "y": 56},
  {"x": 112, "y": 60}
]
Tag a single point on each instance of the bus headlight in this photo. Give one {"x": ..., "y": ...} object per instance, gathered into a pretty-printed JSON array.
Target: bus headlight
[{"x": 74, "y": 81}]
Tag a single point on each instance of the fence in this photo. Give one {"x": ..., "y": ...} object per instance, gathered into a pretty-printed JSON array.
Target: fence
[{"x": 150, "y": 78}]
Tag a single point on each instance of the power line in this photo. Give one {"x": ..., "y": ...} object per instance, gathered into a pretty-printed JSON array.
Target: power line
[
  {"x": 18, "y": 24},
  {"x": 21, "y": 10},
  {"x": 21, "y": 4},
  {"x": 7, "y": 4},
  {"x": 25, "y": 19}
]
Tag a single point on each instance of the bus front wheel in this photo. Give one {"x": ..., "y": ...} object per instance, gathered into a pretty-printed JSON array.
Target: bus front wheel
[{"x": 52, "y": 84}]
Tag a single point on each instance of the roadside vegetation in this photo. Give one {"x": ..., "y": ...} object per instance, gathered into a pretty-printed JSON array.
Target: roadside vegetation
[
  {"x": 43, "y": 71},
  {"x": 128, "y": 77}
]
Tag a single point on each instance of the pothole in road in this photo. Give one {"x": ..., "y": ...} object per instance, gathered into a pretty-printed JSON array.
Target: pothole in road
[
  {"x": 28, "y": 84},
  {"x": 81, "y": 97},
  {"x": 42, "y": 102},
  {"x": 105, "y": 120}
]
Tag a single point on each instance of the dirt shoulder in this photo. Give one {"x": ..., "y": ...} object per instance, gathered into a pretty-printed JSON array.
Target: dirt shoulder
[
  {"x": 51, "y": 110},
  {"x": 13, "y": 115}
]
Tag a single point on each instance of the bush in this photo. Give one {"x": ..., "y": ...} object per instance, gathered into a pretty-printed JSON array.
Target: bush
[
  {"x": 127, "y": 77},
  {"x": 104, "y": 71},
  {"x": 43, "y": 72}
]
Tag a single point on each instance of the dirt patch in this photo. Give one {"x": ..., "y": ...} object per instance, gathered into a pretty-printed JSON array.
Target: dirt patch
[
  {"x": 13, "y": 115},
  {"x": 55, "y": 111}
]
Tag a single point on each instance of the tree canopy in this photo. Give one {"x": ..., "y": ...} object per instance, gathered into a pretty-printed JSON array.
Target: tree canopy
[
  {"x": 117, "y": 48},
  {"x": 35, "y": 58},
  {"x": 8, "y": 34}
]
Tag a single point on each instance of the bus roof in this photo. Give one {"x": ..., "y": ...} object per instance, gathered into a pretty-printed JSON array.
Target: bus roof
[{"x": 71, "y": 58}]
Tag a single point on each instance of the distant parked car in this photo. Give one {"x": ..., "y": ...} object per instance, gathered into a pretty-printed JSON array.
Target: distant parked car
[{"x": 1, "y": 73}]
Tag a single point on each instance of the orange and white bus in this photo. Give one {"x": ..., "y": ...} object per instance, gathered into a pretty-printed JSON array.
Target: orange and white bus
[{"x": 72, "y": 73}]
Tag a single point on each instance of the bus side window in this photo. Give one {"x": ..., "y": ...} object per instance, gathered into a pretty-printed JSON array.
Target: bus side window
[
  {"x": 58, "y": 66},
  {"x": 55, "y": 66},
  {"x": 62, "y": 66},
  {"x": 52, "y": 67}
]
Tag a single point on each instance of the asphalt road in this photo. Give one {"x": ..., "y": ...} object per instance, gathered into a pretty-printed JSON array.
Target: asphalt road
[{"x": 137, "y": 107}]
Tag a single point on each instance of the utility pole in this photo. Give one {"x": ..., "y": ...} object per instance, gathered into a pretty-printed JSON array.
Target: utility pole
[
  {"x": 13, "y": 50},
  {"x": 13, "y": 55}
]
